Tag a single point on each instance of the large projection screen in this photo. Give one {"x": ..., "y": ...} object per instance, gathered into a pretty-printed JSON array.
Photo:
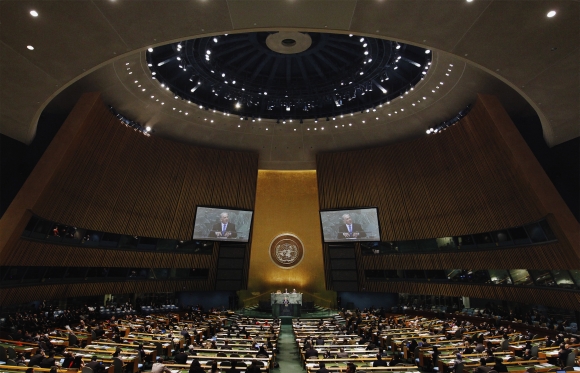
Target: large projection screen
[
  {"x": 350, "y": 225},
  {"x": 222, "y": 224}
]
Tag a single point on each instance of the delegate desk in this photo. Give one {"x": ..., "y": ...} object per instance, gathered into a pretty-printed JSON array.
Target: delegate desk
[
  {"x": 21, "y": 347},
  {"x": 313, "y": 368},
  {"x": 292, "y": 308}
]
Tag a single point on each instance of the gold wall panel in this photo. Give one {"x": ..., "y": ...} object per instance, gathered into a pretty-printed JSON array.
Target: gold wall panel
[{"x": 287, "y": 202}]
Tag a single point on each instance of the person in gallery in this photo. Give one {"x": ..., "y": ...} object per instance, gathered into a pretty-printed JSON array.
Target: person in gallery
[
  {"x": 224, "y": 228},
  {"x": 349, "y": 229}
]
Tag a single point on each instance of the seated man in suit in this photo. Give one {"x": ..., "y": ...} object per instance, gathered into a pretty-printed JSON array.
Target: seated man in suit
[
  {"x": 483, "y": 368},
  {"x": 48, "y": 362},
  {"x": 36, "y": 359},
  {"x": 349, "y": 229},
  {"x": 500, "y": 366},
  {"x": 224, "y": 228},
  {"x": 322, "y": 368},
  {"x": 181, "y": 357},
  {"x": 96, "y": 366},
  {"x": 379, "y": 362},
  {"x": 311, "y": 352},
  {"x": 342, "y": 354},
  {"x": 159, "y": 367}
]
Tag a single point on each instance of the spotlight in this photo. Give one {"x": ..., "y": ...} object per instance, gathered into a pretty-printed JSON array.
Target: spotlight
[{"x": 150, "y": 50}]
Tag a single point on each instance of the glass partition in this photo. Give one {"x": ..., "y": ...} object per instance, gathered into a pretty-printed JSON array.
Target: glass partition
[
  {"x": 500, "y": 277},
  {"x": 521, "y": 277},
  {"x": 446, "y": 243},
  {"x": 535, "y": 232},
  {"x": 563, "y": 279},
  {"x": 542, "y": 277},
  {"x": 575, "y": 273}
]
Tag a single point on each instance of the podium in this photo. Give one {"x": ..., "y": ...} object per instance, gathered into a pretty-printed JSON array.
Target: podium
[{"x": 292, "y": 308}]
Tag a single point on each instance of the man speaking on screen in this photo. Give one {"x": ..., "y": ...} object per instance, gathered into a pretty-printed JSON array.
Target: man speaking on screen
[
  {"x": 349, "y": 229},
  {"x": 224, "y": 228}
]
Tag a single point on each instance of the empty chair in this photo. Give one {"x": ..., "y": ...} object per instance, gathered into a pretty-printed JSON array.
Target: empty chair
[
  {"x": 224, "y": 364},
  {"x": 10, "y": 362},
  {"x": 570, "y": 360},
  {"x": 117, "y": 365},
  {"x": 159, "y": 348},
  {"x": 505, "y": 344},
  {"x": 11, "y": 353},
  {"x": 416, "y": 353},
  {"x": 534, "y": 351},
  {"x": 3, "y": 356},
  {"x": 234, "y": 355},
  {"x": 221, "y": 354},
  {"x": 87, "y": 370},
  {"x": 73, "y": 340}
]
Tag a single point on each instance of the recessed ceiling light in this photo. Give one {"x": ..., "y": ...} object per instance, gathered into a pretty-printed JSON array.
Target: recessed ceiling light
[
  {"x": 30, "y": 47},
  {"x": 150, "y": 50},
  {"x": 34, "y": 13},
  {"x": 551, "y": 13},
  {"x": 469, "y": 1}
]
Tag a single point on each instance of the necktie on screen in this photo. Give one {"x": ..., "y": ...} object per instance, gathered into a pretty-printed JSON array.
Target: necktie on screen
[
  {"x": 223, "y": 229},
  {"x": 350, "y": 229}
]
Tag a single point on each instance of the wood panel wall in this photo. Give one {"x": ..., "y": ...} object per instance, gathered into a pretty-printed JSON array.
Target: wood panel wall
[
  {"x": 75, "y": 256},
  {"x": 118, "y": 180},
  {"x": 23, "y": 294},
  {"x": 551, "y": 297},
  {"x": 461, "y": 181},
  {"x": 111, "y": 178},
  {"x": 464, "y": 180}
]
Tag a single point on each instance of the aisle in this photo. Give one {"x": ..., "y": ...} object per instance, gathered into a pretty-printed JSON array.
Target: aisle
[{"x": 288, "y": 358}]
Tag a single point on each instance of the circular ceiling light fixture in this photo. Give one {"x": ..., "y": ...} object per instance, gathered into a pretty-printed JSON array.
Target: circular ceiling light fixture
[{"x": 303, "y": 73}]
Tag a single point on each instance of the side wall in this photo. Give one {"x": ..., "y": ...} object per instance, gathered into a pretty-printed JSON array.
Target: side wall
[
  {"x": 476, "y": 176},
  {"x": 98, "y": 174}
]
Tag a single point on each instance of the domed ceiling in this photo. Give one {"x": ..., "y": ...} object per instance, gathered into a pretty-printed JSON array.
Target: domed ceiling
[{"x": 288, "y": 75}]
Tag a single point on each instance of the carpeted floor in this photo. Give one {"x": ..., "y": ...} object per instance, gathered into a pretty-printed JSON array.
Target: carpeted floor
[{"x": 289, "y": 357}]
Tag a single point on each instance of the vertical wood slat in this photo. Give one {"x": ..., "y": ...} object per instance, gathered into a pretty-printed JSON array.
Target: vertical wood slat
[
  {"x": 554, "y": 298},
  {"x": 123, "y": 182},
  {"x": 464, "y": 180},
  {"x": 117, "y": 180},
  {"x": 460, "y": 181}
]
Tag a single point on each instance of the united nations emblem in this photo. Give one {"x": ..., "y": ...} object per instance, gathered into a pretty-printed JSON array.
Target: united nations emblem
[{"x": 286, "y": 250}]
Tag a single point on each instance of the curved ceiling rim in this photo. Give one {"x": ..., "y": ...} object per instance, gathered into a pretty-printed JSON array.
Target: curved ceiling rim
[
  {"x": 545, "y": 122},
  {"x": 435, "y": 68}
]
